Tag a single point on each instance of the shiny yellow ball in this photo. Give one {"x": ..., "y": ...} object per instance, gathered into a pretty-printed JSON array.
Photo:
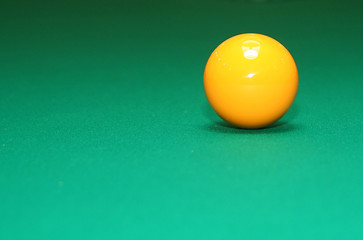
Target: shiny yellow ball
[{"x": 251, "y": 80}]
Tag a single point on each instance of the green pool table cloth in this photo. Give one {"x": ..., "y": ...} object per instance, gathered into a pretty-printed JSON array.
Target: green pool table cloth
[{"x": 106, "y": 133}]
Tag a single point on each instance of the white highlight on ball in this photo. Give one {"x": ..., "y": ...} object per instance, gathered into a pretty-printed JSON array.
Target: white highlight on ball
[{"x": 250, "y": 54}]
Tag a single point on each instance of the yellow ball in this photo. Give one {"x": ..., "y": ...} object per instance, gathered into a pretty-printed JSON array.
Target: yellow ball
[{"x": 251, "y": 80}]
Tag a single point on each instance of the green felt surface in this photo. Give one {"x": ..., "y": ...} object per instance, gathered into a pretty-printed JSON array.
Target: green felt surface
[{"x": 105, "y": 131}]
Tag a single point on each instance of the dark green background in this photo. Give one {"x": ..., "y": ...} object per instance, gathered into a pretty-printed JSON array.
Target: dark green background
[{"x": 105, "y": 131}]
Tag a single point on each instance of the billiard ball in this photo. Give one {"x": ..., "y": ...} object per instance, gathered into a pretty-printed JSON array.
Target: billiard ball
[{"x": 250, "y": 80}]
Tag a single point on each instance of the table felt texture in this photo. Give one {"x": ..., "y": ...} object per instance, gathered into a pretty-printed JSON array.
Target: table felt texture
[{"x": 106, "y": 133}]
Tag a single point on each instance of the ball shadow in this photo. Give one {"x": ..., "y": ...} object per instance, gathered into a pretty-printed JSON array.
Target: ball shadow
[{"x": 285, "y": 124}]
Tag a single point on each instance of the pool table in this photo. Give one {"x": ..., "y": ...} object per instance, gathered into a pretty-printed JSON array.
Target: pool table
[{"x": 106, "y": 133}]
